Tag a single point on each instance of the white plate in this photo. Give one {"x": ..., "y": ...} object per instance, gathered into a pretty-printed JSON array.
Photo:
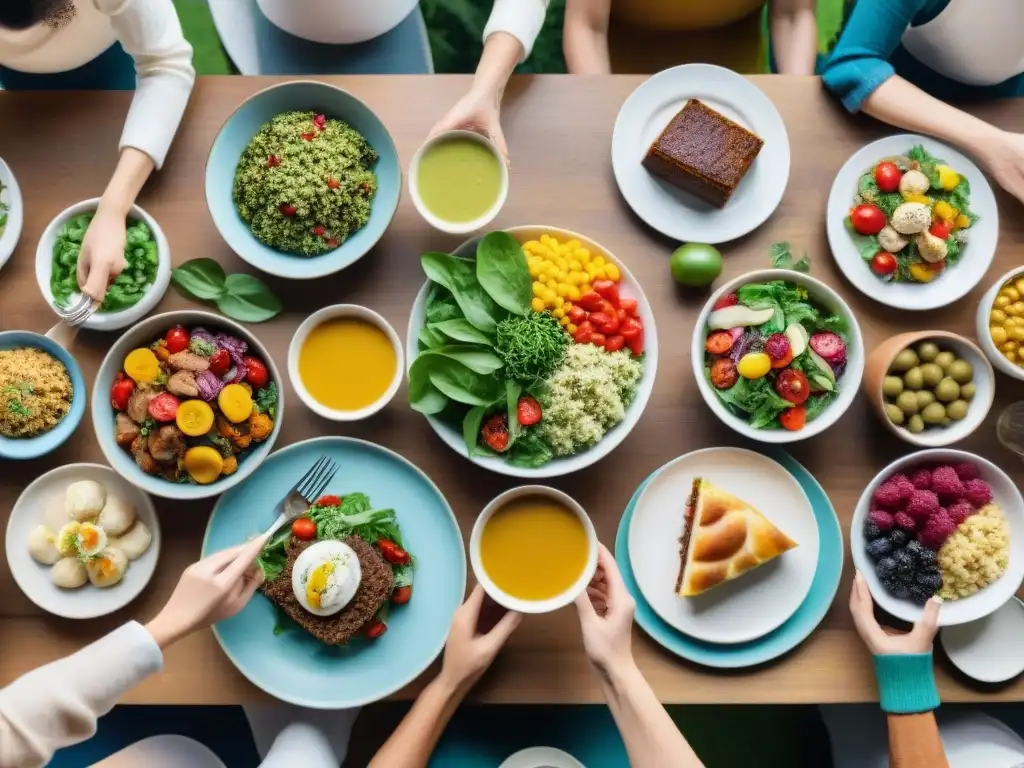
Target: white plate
[
  {"x": 11, "y": 196},
  {"x": 981, "y": 603},
  {"x": 541, "y": 757},
  {"x": 753, "y": 604},
  {"x": 679, "y": 214},
  {"x": 988, "y": 650},
  {"x": 951, "y": 285},
  {"x": 86, "y": 602}
]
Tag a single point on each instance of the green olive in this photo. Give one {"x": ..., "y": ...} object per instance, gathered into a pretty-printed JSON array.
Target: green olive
[
  {"x": 967, "y": 390},
  {"x": 957, "y": 409},
  {"x": 907, "y": 402},
  {"x": 892, "y": 386},
  {"x": 924, "y": 397},
  {"x": 961, "y": 371},
  {"x": 944, "y": 359},
  {"x": 927, "y": 350},
  {"x": 915, "y": 424},
  {"x": 947, "y": 390},
  {"x": 913, "y": 379},
  {"x": 931, "y": 373},
  {"x": 904, "y": 361},
  {"x": 933, "y": 414},
  {"x": 894, "y": 413}
]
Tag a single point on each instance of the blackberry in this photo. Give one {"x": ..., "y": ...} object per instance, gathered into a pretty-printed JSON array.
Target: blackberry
[
  {"x": 900, "y": 590},
  {"x": 879, "y": 547},
  {"x": 927, "y": 558},
  {"x": 915, "y": 548},
  {"x": 871, "y": 531},
  {"x": 898, "y": 538},
  {"x": 905, "y": 562},
  {"x": 886, "y": 568},
  {"x": 930, "y": 581},
  {"x": 889, "y": 584},
  {"x": 920, "y": 594},
  {"x": 906, "y": 576}
]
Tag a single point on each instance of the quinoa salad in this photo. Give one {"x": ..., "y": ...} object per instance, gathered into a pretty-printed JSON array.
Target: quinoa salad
[
  {"x": 305, "y": 183},
  {"x": 35, "y": 392}
]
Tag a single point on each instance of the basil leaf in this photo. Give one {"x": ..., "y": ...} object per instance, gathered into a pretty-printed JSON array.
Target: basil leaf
[
  {"x": 471, "y": 424},
  {"x": 463, "y": 385},
  {"x": 459, "y": 277},
  {"x": 201, "y": 278},
  {"x": 502, "y": 271},
  {"x": 461, "y": 329},
  {"x": 248, "y": 299}
]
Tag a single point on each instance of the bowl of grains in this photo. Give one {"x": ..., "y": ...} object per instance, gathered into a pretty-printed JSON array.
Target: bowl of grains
[{"x": 42, "y": 395}]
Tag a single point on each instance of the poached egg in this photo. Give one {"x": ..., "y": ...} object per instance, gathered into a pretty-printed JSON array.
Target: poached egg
[{"x": 326, "y": 577}]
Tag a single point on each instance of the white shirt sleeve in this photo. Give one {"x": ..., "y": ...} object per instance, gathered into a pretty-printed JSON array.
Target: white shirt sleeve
[
  {"x": 150, "y": 32},
  {"x": 522, "y": 19},
  {"x": 59, "y": 704}
]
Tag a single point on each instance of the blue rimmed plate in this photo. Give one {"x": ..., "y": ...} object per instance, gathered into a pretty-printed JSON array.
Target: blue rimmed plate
[
  {"x": 783, "y": 639},
  {"x": 294, "y": 667}
]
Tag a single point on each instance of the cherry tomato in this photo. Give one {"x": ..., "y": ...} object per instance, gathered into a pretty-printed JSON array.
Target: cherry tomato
[
  {"x": 164, "y": 407},
  {"x": 255, "y": 372},
  {"x": 940, "y": 229},
  {"x": 577, "y": 315},
  {"x": 782, "y": 362},
  {"x": 591, "y": 301},
  {"x": 630, "y": 327},
  {"x": 121, "y": 392},
  {"x": 867, "y": 219},
  {"x": 598, "y": 339},
  {"x": 729, "y": 300},
  {"x": 884, "y": 263},
  {"x": 621, "y": 314},
  {"x": 792, "y": 385},
  {"x": 794, "y": 418},
  {"x": 608, "y": 290},
  {"x": 628, "y": 306},
  {"x": 723, "y": 373},
  {"x": 583, "y": 332},
  {"x": 887, "y": 176},
  {"x": 636, "y": 344},
  {"x": 329, "y": 501},
  {"x": 176, "y": 340},
  {"x": 495, "y": 432},
  {"x": 287, "y": 210},
  {"x": 401, "y": 595},
  {"x": 392, "y": 552},
  {"x": 608, "y": 308},
  {"x": 611, "y": 327},
  {"x": 220, "y": 362},
  {"x": 528, "y": 411},
  {"x": 719, "y": 342},
  {"x": 376, "y": 629},
  {"x": 597, "y": 319},
  {"x": 304, "y": 529},
  {"x": 615, "y": 343}
]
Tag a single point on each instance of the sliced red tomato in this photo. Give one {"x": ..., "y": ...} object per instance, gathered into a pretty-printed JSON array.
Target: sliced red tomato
[
  {"x": 729, "y": 300},
  {"x": 887, "y": 176},
  {"x": 329, "y": 501},
  {"x": 608, "y": 290},
  {"x": 591, "y": 301},
  {"x": 528, "y": 410},
  {"x": 391, "y": 552},
  {"x": 577, "y": 315},
  {"x": 583, "y": 332},
  {"x": 884, "y": 263},
  {"x": 630, "y": 327},
  {"x": 598, "y": 339},
  {"x": 164, "y": 407},
  {"x": 794, "y": 418},
  {"x": 615, "y": 343},
  {"x": 629, "y": 306},
  {"x": 793, "y": 386},
  {"x": 719, "y": 342},
  {"x": 304, "y": 529},
  {"x": 401, "y": 595},
  {"x": 494, "y": 432},
  {"x": 636, "y": 344}
]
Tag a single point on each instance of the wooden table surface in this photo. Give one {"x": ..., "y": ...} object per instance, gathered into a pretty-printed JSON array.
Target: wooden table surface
[{"x": 62, "y": 149}]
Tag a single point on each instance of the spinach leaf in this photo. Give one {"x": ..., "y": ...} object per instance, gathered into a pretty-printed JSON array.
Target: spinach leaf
[
  {"x": 960, "y": 198},
  {"x": 273, "y": 557},
  {"x": 429, "y": 338},
  {"x": 755, "y": 399},
  {"x": 870, "y": 193},
  {"x": 477, "y": 358},
  {"x": 502, "y": 271},
  {"x": 423, "y": 395},
  {"x": 459, "y": 277},
  {"x": 462, "y": 384},
  {"x": 441, "y": 305},
  {"x": 512, "y": 392},
  {"x": 926, "y": 162},
  {"x": 818, "y": 403},
  {"x": 201, "y": 278},
  {"x": 461, "y": 329},
  {"x": 471, "y": 424},
  {"x": 247, "y": 298},
  {"x": 529, "y": 451},
  {"x": 867, "y": 245}
]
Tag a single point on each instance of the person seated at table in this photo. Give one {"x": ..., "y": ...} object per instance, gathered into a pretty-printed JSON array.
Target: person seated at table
[
  {"x": 794, "y": 36},
  {"x": 105, "y": 44},
  {"x": 901, "y": 61},
  {"x": 606, "y": 617}
]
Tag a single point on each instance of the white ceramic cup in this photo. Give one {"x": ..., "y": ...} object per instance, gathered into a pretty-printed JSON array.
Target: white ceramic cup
[
  {"x": 334, "y": 312},
  {"x": 532, "y": 606},
  {"x": 457, "y": 227}
]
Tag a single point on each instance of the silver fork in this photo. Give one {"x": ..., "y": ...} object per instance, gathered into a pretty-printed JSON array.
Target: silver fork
[
  {"x": 309, "y": 488},
  {"x": 72, "y": 318}
]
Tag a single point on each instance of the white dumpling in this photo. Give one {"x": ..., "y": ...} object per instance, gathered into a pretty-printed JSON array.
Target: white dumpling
[
  {"x": 107, "y": 568},
  {"x": 69, "y": 573},
  {"x": 117, "y": 515},
  {"x": 41, "y": 546},
  {"x": 135, "y": 542},
  {"x": 55, "y": 514},
  {"x": 84, "y": 500}
]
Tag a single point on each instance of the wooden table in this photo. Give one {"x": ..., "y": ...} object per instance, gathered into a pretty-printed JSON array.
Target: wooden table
[{"x": 62, "y": 149}]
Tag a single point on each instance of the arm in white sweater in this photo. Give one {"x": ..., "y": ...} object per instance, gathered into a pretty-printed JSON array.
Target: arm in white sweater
[
  {"x": 523, "y": 19},
  {"x": 58, "y": 705},
  {"x": 150, "y": 32}
]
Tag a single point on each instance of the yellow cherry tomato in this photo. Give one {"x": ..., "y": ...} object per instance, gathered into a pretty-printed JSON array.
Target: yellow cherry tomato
[
  {"x": 194, "y": 418},
  {"x": 235, "y": 403},
  {"x": 537, "y": 304},
  {"x": 754, "y": 365},
  {"x": 141, "y": 365},
  {"x": 203, "y": 464}
]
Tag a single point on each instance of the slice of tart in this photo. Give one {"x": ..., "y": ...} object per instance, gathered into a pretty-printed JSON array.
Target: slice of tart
[{"x": 723, "y": 538}]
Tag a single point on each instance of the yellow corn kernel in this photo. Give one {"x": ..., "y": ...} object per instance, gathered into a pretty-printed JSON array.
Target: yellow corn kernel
[
  {"x": 1017, "y": 334},
  {"x": 537, "y": 304},
  {"x": 550, "y": 284},
  {"x": 575, "y": 265},
  {"x": 562, "y": 289},
  {"x": 1012, "y": 292},
  {"x": 1003, "y": 300},
  {"x": 573, "y": 293},
  {"x": 1016, "y": 309},
  {"x": 997, "y": 317},
  {"x": 585, "y": 288},
  {"x": 538, "y": 286},
  {"x": 560, "y": 302},
  {"x": 998, "y": 335},
  {"x": 612, "y": 272},
  {"x": 575, "y": 278},
  {"x": 571, "y": 327},
  {"x": 549, "y": 296},
  {"x": 1012, "y": 357},
  {"x": 561, "y": 264},
  {"x": 563, "y": 321},
  {"x": 583, "y": 255},
  {"x": 1009, "y": 346},
  {"x": 598, "y": 273},
  {"x": 598, "y": 261},
  {"x": 558, "y": 313},
  {"x": 1011, "y": 321},
  {"x": 562, "y": 276},
  {"x": 1019, "y": 285}
]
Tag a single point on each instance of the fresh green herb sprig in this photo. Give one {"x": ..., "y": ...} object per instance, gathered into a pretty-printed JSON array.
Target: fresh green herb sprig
[
  {"x": 16, "y": 392},
  {"x": 239, "y": 296},
  {"x": 531, "y": 347},
  {"x": 782, "y": 258},
  {"x": 266, "y": 400}
]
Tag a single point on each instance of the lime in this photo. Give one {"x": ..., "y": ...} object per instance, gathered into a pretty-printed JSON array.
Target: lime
[{"x": 696, "y": 265}]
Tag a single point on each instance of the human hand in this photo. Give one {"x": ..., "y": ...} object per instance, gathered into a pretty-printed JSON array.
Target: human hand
[
  {"x": 102, "y": 256},
  {"x": 477, "y": 111},
  {"x": 606, "y": 615},
  {"x": 884, "y": 641},
  {"x": 470, "y": 648},
  {"x": 214, "y": 589},
  {"x": 1003, "y": 157}
]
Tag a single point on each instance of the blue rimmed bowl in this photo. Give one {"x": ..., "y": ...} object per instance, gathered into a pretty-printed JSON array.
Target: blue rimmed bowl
[
  {"x": 40, "y": 445},
  {"x": 235, "y": 135}
]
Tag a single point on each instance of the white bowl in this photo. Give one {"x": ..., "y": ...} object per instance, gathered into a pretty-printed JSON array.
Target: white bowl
[
  {"x": 106, "y": 321},
  {"x": 951, "y": 285},
  {"x": 981, "y": 603},
  {"x": 11, "y": 196},
  {"x": 86, "y": 602},
  {"x": 330, "y": 313},
  {"x": 981, "y": 324},
  {"x": 452, "y": 436},
  {"x": 457, "y": 227},
  {"x": 532, "y": 606},
  {"x": 849, "y": 382}
]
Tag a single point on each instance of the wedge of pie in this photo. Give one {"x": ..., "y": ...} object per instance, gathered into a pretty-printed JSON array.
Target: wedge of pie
[{"x": 723, "y": 538}]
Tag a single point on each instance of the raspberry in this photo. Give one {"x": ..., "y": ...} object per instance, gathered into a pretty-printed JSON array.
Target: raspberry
[
  {"x": 888, "y": 495},
  {"x": 905, "y": 521},
  {"x": 922, "y": 479},
  {"x": 922, "y": 505},
  {"x": 977, "y": 492},
  {"x": 960, "y": 511},
  {"x": 946, "y": 484},
  {"x": 965, "y": 470},
  {"x": 882, "y": 519},
  {"x": 903, "y": 485},
  {"x": 935, "y": 532}
]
